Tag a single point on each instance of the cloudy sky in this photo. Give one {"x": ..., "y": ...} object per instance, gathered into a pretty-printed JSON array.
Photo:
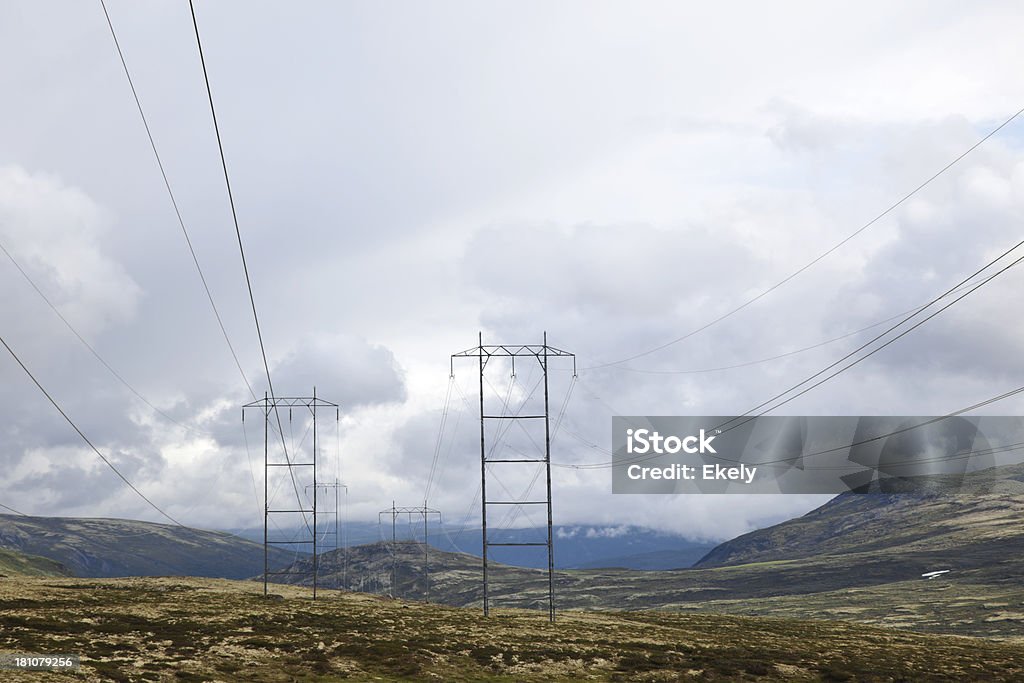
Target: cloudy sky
[{"x": 408, "y": 174}]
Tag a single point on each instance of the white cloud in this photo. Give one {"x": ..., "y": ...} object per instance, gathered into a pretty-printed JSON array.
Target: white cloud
[
  {"x": 57, "y": 233},
  {"x": 617, "y": 175}
]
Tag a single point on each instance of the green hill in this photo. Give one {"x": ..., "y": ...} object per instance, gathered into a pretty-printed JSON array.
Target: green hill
[{"x": 13, "y": 563}]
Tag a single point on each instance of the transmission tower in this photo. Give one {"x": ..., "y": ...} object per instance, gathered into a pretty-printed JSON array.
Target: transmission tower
[
  {"x": 395, "y": 512},
  {"x": 541, "y": 353},
  {"x": 299, "y": 462}
]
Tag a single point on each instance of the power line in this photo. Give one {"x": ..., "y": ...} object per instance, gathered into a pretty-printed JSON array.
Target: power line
[
  {"x": 747, "y": 417},
  {"x": 446, "y": 456},
  {"x": 961, "y": 411},
  {"x": 955, "y": 413},
  {"x": 84, "y": 437},
  {"x": 12, "y": 510},
  {"x": 241, "y": 248},
  {"x": 174, "y": 201},
  {"x": 90, "y": 347},
  {"x": 812, "y": 262},
  {"x": 117, "y": 375},
  {"x": 231, "y": 201},
  {"x": 438, "y": 443},
  {"x": 878, "y": 337},
  {"x": 780, "y": 356}
]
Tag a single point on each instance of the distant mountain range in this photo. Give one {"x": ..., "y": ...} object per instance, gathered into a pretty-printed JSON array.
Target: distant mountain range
[
  {"x": 866, "y": 557},
  {"x": 860, "y": 556},
  {"x": 117, "y": 547},
  {"x": 576, "y": 546}
]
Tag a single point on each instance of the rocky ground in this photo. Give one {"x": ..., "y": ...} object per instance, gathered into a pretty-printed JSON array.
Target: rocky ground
[{"x": 185, "y": 629}]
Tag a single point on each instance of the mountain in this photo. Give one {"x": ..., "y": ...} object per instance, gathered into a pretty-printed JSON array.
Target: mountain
[
  {"x": 976, "y": 528},
  {"x": 576, "y": 546},
  {"x": 453, "y": 578},
  {"x": 13, "y": 563},
  {"x": 117, "y": 547},
  {"x": 651, "y": 561},
  {"x": 859, "y": 557}
]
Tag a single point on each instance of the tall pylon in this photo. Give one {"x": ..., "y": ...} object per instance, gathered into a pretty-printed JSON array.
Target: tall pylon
[{"x": 542, "y": 354}]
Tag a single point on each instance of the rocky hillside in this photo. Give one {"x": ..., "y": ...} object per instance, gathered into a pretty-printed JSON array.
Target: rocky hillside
[{"x": 975, "y": 528}]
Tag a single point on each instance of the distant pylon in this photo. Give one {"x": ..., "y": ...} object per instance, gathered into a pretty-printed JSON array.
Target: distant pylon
[
  {"x": 395, "y": 512},
  {"x": 268, "y": 406}
]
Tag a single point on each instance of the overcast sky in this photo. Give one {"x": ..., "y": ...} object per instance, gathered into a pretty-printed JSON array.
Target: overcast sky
[{"x": 407, "y": 174}]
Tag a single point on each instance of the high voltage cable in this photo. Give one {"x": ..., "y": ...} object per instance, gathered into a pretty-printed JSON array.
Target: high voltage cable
[
  {"x": 174, "y": 202},
  {"x": 913, "y": 327},
  {"x": 780, "y": 356},
  {"x": 252, "y": 470},
  {"x": 994, "y": 450},
  {"x": 113, "y": 371},
  {"x": 746, "y": 416},
  {"x": 440, "y": 437},
  {"x": 231, "y": 201},
  {"x": 980, "y": 404},
  {"x": 818, "y": 258},
  {"x": 241, "y": 251},
  {"x": 903, "y": 430},
  {"x": 446, "y": 456},
  {"x": 188, "y": 242},
  {"x": 795, "y": 458},
  {"x": 84, "y": 437},
  {"x": 90, "y": 347},
  {"x": 5, "y": 507}
]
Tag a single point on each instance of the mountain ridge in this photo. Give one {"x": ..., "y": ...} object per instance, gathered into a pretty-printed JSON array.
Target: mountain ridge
[{"x": 108, "y": 547}]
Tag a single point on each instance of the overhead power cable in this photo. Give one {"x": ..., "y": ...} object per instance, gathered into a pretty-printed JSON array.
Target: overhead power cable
[
  {"x": 771, "y": 404},
  {"x": 955, "y": 413},
  {"x": 786, "y": 354},
  {"x": 815, "y": 260},
  {"x": 231, "y": 202},
  {"x": 84, "y": 437},
  {"x": 120, "y": 378},
  {"x": 438, "y": 442},
  {"x": 12, "y": 510},
  {"x": 241, "y": 251},
  {"x": 872, "y": 352},
  {"x": 975, "y": 406},
  {"x": 174, "y": 203}
]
